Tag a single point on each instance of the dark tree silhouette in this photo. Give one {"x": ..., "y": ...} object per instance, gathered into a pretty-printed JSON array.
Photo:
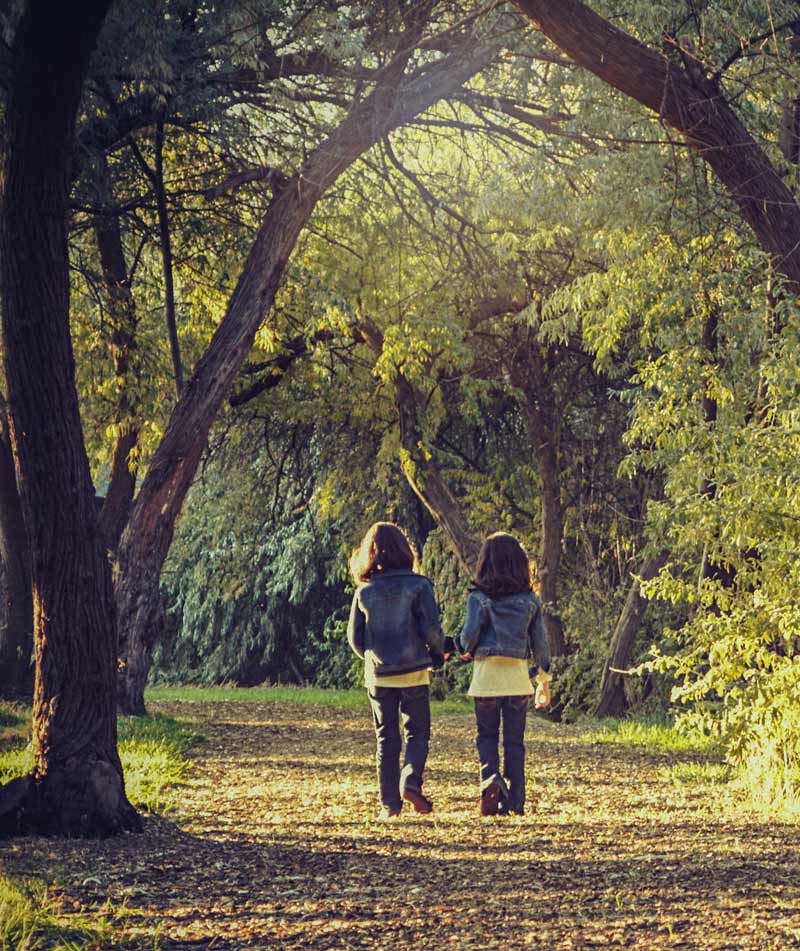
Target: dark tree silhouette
[{"x": 76, "y": 787}]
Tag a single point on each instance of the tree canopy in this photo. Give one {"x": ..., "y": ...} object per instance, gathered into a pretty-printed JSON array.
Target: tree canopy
[{"x": 464, "y": 266}]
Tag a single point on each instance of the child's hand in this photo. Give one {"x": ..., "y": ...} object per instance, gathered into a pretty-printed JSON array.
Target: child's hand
[
  {"x": 466, "y": 657},
  {"x": 542, "y": 697}
]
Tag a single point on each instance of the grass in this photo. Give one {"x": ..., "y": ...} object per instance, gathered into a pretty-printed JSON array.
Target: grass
[
  {"x": 153, "y": 752},
  {"x": 31, "y": 919},
  {"x": 15, "y": 758},
  {"x": 354, "y": 699},
  {"x": 152, "y": 749},
  {"x": 654, "y": 734},
  {"x": 11, "y": 715}
]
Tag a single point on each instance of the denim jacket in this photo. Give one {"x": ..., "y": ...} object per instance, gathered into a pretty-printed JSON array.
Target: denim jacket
[
  {"x": 394, "y": 622},
  {"x": 509, "y": 626}
]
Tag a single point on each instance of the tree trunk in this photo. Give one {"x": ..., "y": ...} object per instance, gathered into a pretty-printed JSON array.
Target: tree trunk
[
  {"x": 539, "y": 415},
  {"x": 612, "y": 692},
  {"x": 421, "y": 472},
  {"x": 149, "y": 532},
  {"x": 694, "y": 105},
  {"x": 76, "y": 787},
  {"x": 16, "y": 628},
  {"x": 426, "y": 480}
]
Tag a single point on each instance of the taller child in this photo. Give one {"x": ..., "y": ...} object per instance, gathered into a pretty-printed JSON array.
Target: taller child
[{"x": 394, "y": 625}]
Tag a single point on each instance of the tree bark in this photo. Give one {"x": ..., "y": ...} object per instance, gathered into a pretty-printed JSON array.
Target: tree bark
[
  {"x": 694, "y": 105},
  {"x": 76, "y": 787},
  {"x": 612, "y": 692},
  {"x": 539, "y": 415},
  {"x": 16, "y": 627},
  {"x": 426, "y": 480},
  {"x": 149, "y": 532}
]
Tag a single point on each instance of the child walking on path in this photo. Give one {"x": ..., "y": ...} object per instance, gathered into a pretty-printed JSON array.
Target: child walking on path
[
  {"x": 503, "y": 628},
  {"x": 394, "y": 625}
]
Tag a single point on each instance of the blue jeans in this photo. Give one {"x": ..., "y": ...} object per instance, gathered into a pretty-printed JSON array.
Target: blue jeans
[
  {"x": 488, "y": 713},
  {"x": 389, "y": 704}
]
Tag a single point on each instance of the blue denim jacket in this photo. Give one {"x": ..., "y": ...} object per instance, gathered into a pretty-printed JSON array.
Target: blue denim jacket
[
  {"x": 394, "y": 621},
  {"x": 510, "y": 626}
]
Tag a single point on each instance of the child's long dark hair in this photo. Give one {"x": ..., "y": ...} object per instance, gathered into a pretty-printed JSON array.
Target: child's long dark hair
[
  {"x": 503, "y": 567},
  {"x": 383, "y": 547}
]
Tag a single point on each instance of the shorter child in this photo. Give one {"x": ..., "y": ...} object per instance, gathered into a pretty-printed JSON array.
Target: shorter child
[
  {"x": 503, "y": 628},
  {"x": 394, "y": 625}
]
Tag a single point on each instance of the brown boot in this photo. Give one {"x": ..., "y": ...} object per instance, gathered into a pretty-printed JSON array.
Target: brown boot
[
  {"x": 418, "y": 801},
  {"x": 491, "y": 797}
]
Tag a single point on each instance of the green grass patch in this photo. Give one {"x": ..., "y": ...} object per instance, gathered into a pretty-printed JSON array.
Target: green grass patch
[
  {"x": 16, "y": 758},
  {"x": 31, "y": 919},
  {"x": 11, "y": 715},
  {"x": 652, "y": 734},
  {"x": 311, "y": 696},
  {"x": 767, "y": 785},
  {"x": 704, "y": 773},
  {"x": 15, "y": 725},
  {"x": 15, "y": 762},
  {"x": 153, "y": 752}
]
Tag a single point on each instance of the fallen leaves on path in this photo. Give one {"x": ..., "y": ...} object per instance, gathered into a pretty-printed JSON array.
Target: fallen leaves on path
[{"x": 277, "y": 846}]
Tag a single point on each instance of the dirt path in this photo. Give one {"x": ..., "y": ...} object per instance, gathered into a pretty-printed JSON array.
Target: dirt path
[{"x": 278, "y": 848}]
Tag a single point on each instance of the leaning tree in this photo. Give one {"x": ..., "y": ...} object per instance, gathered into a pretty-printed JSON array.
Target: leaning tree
[{"x": 426, "y": 52}]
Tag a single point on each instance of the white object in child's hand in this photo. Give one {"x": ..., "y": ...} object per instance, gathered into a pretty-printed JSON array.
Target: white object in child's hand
[{"x": 541, "y": 698}]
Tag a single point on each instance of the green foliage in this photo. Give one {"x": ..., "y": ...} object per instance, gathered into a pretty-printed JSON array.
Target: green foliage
[
  {"x": 578, "y": 679},
  {"x": 450, "y": 581},
  {"x": 253, "y": 579},
  {"x": 339, "y": 667},
  {"x": 732, "y": 493},
  {"x": 638, "y": 308}
]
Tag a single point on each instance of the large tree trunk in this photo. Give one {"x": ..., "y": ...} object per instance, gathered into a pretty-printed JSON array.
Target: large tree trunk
[
  {"x": 695, "y": 106},
  {"x": 149, "y": 532},
  {"x": 16, "y": 625},
  {"x": 612, "y": 692},
  {"x": 76, "y": 787}
]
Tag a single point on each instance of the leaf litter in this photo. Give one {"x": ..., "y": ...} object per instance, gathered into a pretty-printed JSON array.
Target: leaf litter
[{"x": 275, "y": 844}]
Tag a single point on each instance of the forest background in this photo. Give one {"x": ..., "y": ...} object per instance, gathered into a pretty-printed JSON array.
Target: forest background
[{"x": 494, "y": 291}]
